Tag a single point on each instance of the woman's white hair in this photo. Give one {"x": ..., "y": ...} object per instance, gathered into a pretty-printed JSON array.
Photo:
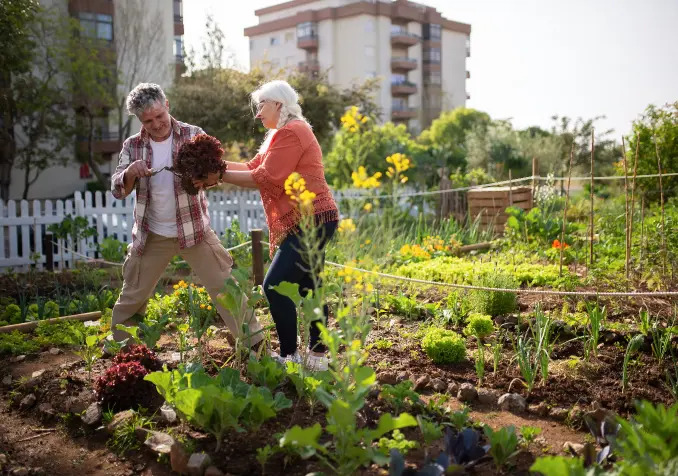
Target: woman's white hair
[{"x": 281, "y": 92}]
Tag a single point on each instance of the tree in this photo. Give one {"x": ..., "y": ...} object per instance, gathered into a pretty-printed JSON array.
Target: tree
[
  {"x": 656, "y": 125},
  {"x": 496, "y": 148},
  {"x": 137, "y": 35},
  {"x": 16, "y": 53},
  {"x": 449, "y": 131}
]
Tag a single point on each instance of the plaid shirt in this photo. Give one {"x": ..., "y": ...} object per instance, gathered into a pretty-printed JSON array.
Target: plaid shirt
[{"x": 192, "y": 216}]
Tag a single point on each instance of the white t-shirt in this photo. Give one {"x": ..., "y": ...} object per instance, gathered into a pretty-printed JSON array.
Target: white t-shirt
[{"x": 162, "y": 210}]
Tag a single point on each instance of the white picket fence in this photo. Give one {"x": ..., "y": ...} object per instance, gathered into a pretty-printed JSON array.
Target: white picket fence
[{"x": 24, "y": 224}]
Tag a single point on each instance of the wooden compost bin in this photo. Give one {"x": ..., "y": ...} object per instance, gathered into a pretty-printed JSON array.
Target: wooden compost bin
[{"x": 491, "y": 204}]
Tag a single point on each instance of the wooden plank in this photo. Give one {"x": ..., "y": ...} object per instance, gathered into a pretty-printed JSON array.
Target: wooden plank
[
  {"x": 496, "y": 192},
  {"x": 517, "y": 197}
]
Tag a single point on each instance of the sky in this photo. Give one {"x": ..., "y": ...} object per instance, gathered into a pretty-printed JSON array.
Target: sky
[{"x": 532, "y": 59}]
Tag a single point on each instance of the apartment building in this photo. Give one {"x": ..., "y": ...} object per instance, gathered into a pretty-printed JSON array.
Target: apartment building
[
  {"x": 146, "y": 37},
  {"x": 419, "y": 56}
]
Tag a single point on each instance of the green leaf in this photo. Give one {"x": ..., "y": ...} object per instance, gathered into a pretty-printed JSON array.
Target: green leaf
[
  {"x": 558, "y": 466},
  {"x": 290, "y": 290},
  {"x": 92, "y": 340},
  {"x": 387, "y": 424},
  {"x": 304, "y": 440}
]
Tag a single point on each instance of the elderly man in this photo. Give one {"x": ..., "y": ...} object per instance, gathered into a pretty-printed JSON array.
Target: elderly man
[{"x": 167, "y": 220}]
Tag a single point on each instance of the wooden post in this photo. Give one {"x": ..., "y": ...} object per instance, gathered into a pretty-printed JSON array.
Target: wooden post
[
  {"x": 257, "y": 257},
  {"x": 510, "y": 190},
  {"x": 567, "y": 199},
  {"x": 591, "y": 212},
  {"x": 633, "y": 196},
  {"x": 535, "y": 172},
  {"x": 642, "y": 229},
  {"x": 626, "y": 215},
  {"x": 661, "y": 202},
  {"x": 48, "y": 249}
]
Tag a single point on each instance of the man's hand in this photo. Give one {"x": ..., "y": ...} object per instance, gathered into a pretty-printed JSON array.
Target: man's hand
[
  {"x": 211, "y": 180},
  {"x": 137, "y": 170}
]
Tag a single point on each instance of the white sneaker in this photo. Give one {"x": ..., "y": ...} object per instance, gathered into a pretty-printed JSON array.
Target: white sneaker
[
  {"x": 296, "y": 358},
  {"x": 317, "y": 363}
]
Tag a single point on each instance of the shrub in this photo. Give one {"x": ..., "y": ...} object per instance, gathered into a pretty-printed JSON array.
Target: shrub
[
  {"x": 494, "y": 303},
  {"x": 123, "y": 385},
  {"x": 479, "y": 325},
  {"x": 12, "y": 314},
  {"x": 443, "y": 346},
  {"x": 140, "y": 354},
  {"x": 17, "y": 343}
]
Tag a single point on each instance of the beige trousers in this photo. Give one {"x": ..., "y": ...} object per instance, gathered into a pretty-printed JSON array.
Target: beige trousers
[{"x": 208, "y": 259}]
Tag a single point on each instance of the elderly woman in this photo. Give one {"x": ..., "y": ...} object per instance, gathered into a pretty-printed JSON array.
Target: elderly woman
[{"x": 289, "y": 146}]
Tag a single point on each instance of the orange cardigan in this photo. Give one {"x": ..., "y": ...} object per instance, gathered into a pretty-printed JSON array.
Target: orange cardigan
[{"x": 293, "y": 148}]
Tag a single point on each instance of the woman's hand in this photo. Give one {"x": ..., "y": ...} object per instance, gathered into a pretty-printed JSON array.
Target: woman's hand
[{"x": 211, "y": 180}]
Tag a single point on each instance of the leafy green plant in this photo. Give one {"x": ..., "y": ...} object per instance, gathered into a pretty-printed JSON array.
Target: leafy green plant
[
  {"x": 383, "y": 344},
  {"x": 399, "y": 396},
  {"x": 460, "y": 419},
  {"x": 306, "y": 383},
  {"x": 217, "y": 404},
  {"x": 597, "y": 316},
  {"x": 529, "y": 433},
  {"x": 263, "y": 455},
  {"x": 634, "y": 344},
  {"x": 559, "y": 466},
  {"x": 410, "y": 308},
  {"x": 16, "y": 343},
  {"x": 494, "y": 303},
  {"x": 480, "y": 361},
  {"x": 90, "y": 352},
  {"x": 503, "y": 444},
  {"x": 456, "y": 309},
  {"x": 152, "y": 330},
  {"x": 479, "y": 325},
  {"x": 661, "y": 339},
  {"x": 430, "y": 430},
  {"x": 541, "y": 332},
  {"x": 396, "y": 442},
  {"x": 266, "y": 372},
  {"x": 528, "y": 361},
  {"x": 112, "y": 250},
  {"x": 435, "y": 407},
  {"x": 182, "y": 334},
  {"x": 43, "y": 309},
  {"x": 644, "y": 322},
  {"x": 443, "y": 346}
]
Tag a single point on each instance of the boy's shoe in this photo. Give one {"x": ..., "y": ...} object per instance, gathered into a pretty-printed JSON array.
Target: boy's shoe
[
  {"x": 317, "y": 363},
  {"x": 296, "y": 358}
]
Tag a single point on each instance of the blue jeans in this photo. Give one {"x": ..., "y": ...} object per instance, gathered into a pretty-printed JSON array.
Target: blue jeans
[{"x": 288, "y": 265}]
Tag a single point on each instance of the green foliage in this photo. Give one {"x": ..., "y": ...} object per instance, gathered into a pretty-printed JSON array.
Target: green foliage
[
  {"x": 42, "y": 310},
  {"x": 125, "y": 438},
  {"x": 479, "y": 325},
  {"x": 399, "y": 396},
  {"x": 266, "y": 372},
  {"x": 397, "y": 442},
  {"x": 597, "y": 316},
  {"x": 90, "y": 352},
  {"x": 658, "y": 125},
  {"x": 529, "y": 433},
  {"x": 494, "y": 303},
  {"x": 64, "y": 332},
  {"x": 538, "y": 224},
  {"x": 443, "y": 346},
  {"x": 16, "y": 343},
  {"x": 152, "y": 330},
  {"x": 220, "y": 403},
  {"x": 503, "y": 444},
  {"x": 112, "y": 250},
  {"x": 528, "y": 360},
  {"x": 430, "y": 430},
  {"x": 559, "y": 466},
  {"x": 448, "y": 132},
  {"x": 13, "y": 314},
  {"x": 409, "y": 307}
]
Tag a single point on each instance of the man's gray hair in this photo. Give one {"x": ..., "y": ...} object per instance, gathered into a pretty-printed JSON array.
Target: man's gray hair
[{"x": 143, "y": 96}]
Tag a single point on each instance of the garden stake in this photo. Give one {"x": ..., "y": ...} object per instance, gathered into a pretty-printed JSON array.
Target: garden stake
[
  {"x": 633, "y": 191},
  {"x": 591, "y": 215},
  {"x": 626, "y": 215},
  {"x": 642, "y": 228},
  {"x": 567, "y": 199},
  {"x": 661, "y": 200}
]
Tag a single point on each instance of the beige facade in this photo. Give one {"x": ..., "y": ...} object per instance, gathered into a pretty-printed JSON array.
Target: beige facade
[
  {"x": 418, "y": 55},
  {"x": 155, "y": 55}
]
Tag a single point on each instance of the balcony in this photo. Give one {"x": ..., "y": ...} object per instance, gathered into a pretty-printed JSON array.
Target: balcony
[
  {"x": 103, "y": 142},
  {"x": 403, "y": 88},
  {"x": 403, "y": 113},
  {"x": 309, "y": 42},
  {"x": 403, "y": 38},
  {"x": 310, "y": 66},
  {"x": 431, "y": 65},
  {"x": 403, "y": 63}
]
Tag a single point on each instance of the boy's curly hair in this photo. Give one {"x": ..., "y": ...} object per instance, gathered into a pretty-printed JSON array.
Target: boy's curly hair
[{"x": 197, "y": 158}]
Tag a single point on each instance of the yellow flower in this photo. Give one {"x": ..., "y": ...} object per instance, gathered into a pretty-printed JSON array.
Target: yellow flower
[
  {"x": 202, "y": 306},
  {"x": 346, "y": 226},
  {"x": 367, "y": 242},
  {"x": 306, "y": 200},
  {"x": 362, "y": 180},
  {"x": 352, "y": 119},
  {"x": 209, "y": 308},
  {"x": 367, "y": 207},
  {"x": 176, "y": 286}
]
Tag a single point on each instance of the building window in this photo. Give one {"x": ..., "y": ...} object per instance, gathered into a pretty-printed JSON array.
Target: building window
[
  {"x": 398, "y": 78},
  {"x": 369, "y": 51},
  {"x": 468, "y": 46},
  {"x": 274, "y": 41},
  {"x": 307, "y": 29},
  {"x": 433, "y": 77},
  {"x": 251, "y": 44},
  {"x": 96, "y": 25},
  {"x": 179, "y": 48},
  {"x": 289, "y": 37},
  {"x": 399, "y": 104},
  {"x": 432, "y": 31},
  {"x": 178, "y": 17},
  {"x": 432, "y": 55}
]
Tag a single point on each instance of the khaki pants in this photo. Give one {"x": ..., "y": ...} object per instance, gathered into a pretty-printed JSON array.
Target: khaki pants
[{"x": 208, "y": 259}]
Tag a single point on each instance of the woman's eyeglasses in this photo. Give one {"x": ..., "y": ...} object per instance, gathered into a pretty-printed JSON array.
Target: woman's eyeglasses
[{"x": 261, "y": 104}]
